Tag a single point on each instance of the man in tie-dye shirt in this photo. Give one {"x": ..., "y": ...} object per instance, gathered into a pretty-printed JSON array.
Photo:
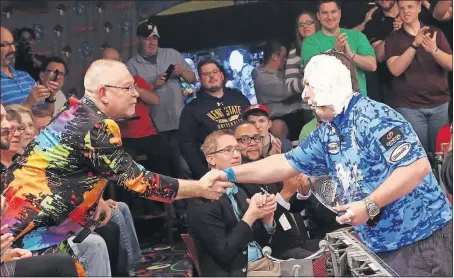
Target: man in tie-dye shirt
[{"x": 53, "y": 188}]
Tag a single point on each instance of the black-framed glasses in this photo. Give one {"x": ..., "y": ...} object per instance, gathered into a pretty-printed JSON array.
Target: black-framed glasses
[
  {"x": 247, "y": 139},
  {"x": 129, "y": 89},
  {"x": 304, "y": 24},
  {"x": 207, "y": 74},
  {"x": 60, "y": 73},
  {"x": 228, "y": 150}
]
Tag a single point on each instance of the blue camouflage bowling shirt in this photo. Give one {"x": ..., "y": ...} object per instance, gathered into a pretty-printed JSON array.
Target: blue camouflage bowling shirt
[{"x": 360, "y": 149}]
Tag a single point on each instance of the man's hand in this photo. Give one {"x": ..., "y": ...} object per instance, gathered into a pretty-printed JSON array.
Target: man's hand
[
  {"x": 430, "y": 43},
  {"x": 261, "y": 205},
  {"x": 397, "y": 24},
  {"x": 6, "y": 240},
  {"x": 178, "y": 69},
  {"x": 420, "y": 36},
  {"x": 53, "y": 87},
  {"x": 16, "y": 254},
  {"x": 103, "y": 208},
  {"x": 112, "y": 204},
  {"x": 276, "y": 146},
  {"x": 160, "y": 80},
  {"x": 3, "y": 206},
  {"x": 369, "y": 14},
  {"x": 299, "y": 183},
  {"x": 38, "y": 93},
  {"x": 213, "y": 176},
  {"x": 339, "y": 45},
  {"x": 268, "y": 209},
  {"x": 213, "y": 185},
  {"x": 355, "y": 213}
]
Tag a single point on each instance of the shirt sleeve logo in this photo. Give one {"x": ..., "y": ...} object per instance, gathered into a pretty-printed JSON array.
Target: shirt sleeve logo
[
  {"x": 391, "y": 138},
  {"x": 400, "y": 152}
]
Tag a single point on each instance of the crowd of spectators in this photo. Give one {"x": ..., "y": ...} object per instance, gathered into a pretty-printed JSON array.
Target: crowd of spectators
[{"x": 401, "y": 59}]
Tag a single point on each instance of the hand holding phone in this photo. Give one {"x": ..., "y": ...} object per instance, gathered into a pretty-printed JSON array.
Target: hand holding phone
[
  {"x": 52, "y": 98},
  {"x": 169, "y": 71}
]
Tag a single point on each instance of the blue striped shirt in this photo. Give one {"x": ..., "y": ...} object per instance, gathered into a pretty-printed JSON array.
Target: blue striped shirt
[{"x": 15, "y": 90}]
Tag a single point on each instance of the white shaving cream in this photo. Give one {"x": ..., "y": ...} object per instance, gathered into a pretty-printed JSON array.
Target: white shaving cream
[{"x": 331, "y": 82}]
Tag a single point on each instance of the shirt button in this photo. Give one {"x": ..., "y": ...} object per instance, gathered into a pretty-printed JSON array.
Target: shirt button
[
  {"x": 244, "y": 252},
  {"x": 244, "y": 269}
]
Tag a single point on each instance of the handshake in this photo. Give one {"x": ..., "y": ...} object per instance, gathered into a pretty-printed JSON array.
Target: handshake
[{"x": 261, "y": 206}]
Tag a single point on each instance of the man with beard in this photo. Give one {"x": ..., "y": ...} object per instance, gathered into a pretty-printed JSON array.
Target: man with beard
[
  {"x": 216, "y": 107},
  {"x": 296, "y": 236},
  {"x": 383, "y": 176},
  {"x": 4, "y": 135},
  {"x": 18, "y": 87}
]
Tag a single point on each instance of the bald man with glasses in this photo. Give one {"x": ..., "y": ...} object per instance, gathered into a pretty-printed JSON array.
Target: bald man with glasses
[{"x": 56, "y": 185}]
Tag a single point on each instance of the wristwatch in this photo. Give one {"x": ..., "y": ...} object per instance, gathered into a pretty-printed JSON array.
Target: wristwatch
[{"x": 372, "y": 208}]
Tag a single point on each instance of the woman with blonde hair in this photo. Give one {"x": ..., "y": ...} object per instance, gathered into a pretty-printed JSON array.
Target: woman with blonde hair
[{"x": 27, "y": 122}]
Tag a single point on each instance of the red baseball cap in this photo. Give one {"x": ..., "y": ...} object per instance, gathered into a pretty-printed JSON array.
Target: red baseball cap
[{"x": 256, "y": 107}]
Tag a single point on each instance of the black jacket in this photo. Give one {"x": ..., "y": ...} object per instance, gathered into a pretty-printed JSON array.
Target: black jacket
[
  {"x": 204, "y": 115},
  {"x": 317, "y": 222},
  {"x": 222, "y": 241}
]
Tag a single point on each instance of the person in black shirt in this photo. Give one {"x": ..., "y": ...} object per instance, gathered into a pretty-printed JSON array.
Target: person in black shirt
[
  {"x": 27, "y": 60},
  {"x": 216, "y": 107}
]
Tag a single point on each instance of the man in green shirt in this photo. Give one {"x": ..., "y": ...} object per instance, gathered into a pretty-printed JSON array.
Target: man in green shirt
[
  {"x": 353, "y": 43},
  {"x": 308, "y": 128}
]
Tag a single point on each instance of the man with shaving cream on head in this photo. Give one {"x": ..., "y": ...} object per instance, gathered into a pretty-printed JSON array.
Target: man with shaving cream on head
[{"x": 384, "y": 180}]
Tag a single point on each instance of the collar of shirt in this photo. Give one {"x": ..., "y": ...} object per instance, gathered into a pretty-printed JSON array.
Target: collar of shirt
[
  {"x": 339, "y": 119},
  {"x": 13, "y": 72},
  {"x": 231, "y": 191}
]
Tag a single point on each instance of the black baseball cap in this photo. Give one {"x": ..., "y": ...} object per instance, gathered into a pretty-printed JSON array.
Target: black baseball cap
[{"x": 147, "y": 29}]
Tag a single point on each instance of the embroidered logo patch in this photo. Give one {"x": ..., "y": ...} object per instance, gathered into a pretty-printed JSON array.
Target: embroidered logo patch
[
  {"x": 391, "y": 138},
  {"x": 333, "y": 148},
  {"x": 400, "y": 152}
]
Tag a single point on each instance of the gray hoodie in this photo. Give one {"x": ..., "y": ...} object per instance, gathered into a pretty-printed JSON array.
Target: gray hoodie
[{"x": 271, "y": 91}]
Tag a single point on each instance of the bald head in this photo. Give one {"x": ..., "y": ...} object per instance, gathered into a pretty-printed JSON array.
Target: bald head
[
  {"x": 5, "y": 33},
  {"x": 105, "y": 72},
  {"x": 8, "y": 52},
  {"x": 111, "y": 54},
  {"x": 246, "y": 128}
]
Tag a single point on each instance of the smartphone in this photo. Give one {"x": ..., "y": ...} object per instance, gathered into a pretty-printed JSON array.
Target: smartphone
[
  {"x": 169, "y": 71},
  {"x": 89, "y": 227},
  {"x": 54, "y": 77}
]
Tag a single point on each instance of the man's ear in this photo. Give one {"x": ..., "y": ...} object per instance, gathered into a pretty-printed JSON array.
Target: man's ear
[
  {"x": 102, "y": 95},
  {"x": 211, "y": 161}
]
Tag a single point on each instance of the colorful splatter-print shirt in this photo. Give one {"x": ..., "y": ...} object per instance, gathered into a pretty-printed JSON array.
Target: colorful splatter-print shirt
[
  {"x": 54, "y": 187},
  {"x": 360, "y": 149}
]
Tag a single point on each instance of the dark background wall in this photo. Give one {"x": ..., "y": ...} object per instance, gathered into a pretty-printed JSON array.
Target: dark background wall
[{"x": 246, "y": 23}]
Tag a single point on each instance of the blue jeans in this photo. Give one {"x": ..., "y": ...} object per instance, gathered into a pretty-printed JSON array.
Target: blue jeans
[
  {"x": 426, "y": 122},
  {"x": 123, "y": 218},
  {"x": 92, "y": 254}
]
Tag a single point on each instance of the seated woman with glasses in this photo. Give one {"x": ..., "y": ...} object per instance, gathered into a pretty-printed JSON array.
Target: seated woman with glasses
[{"x": 16, "y": 136}]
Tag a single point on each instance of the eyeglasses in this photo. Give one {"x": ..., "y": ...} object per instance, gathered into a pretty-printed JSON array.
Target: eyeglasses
[
  {"x": 19, "y": 129},
  {"x": 60, "y": 74},
  {"x": 228, "y": 150},
  {"x": 247, "y": 139},
  {"x": 129, "y": 89},
  {"x": 207, "y": 74},
  {"x": 7, "y": 44},
  {"x": 304, "y": 24}
]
